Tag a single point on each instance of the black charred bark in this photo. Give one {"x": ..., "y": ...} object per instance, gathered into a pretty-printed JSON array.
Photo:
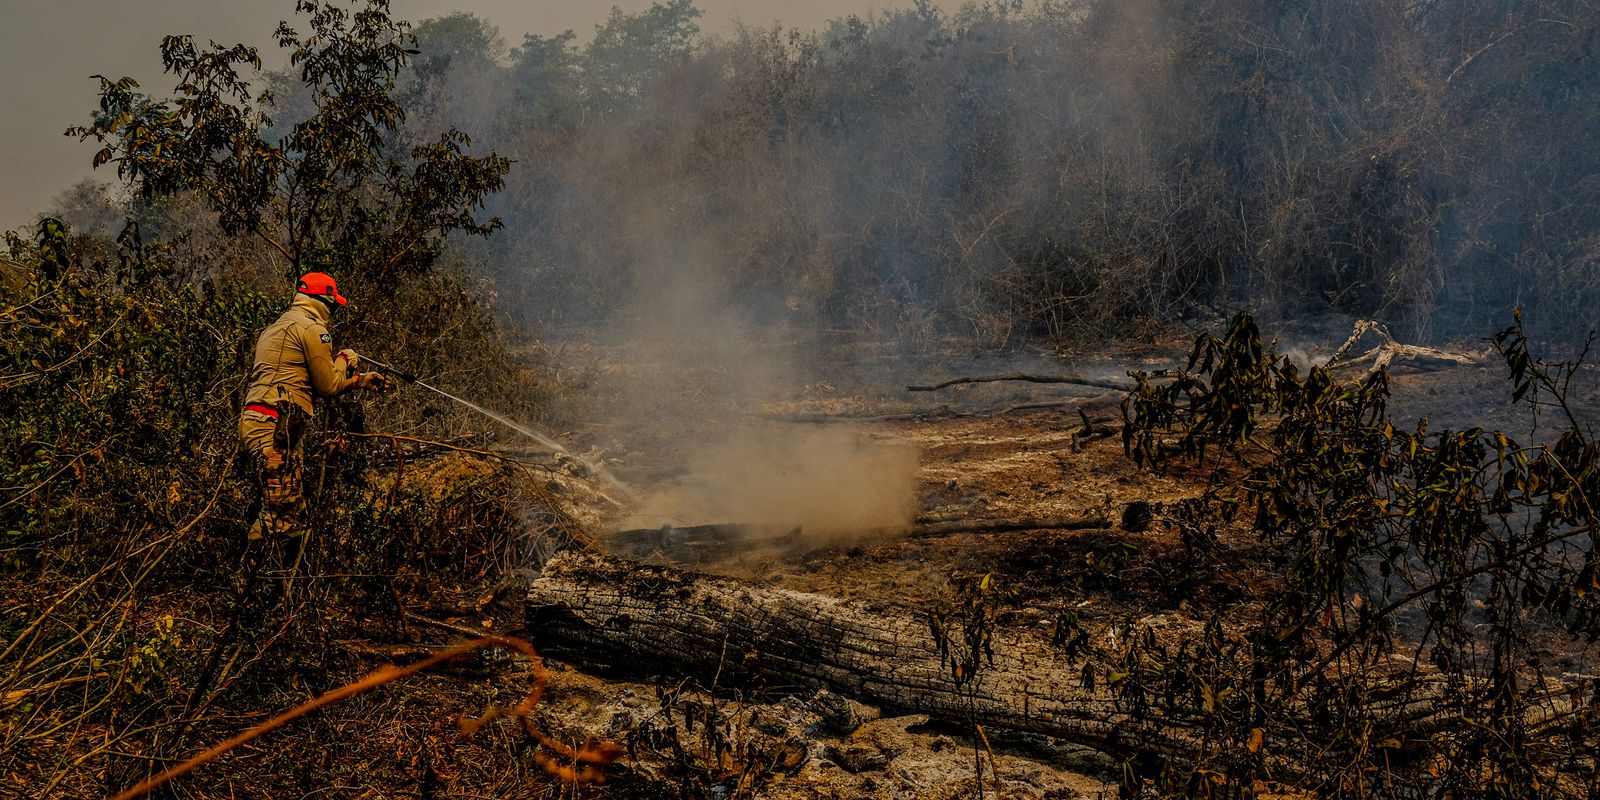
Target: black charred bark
[{"x": 643, "y": 618}]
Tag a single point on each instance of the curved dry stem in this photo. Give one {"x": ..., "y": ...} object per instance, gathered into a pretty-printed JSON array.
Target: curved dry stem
[{"x": 591, "y": 758}]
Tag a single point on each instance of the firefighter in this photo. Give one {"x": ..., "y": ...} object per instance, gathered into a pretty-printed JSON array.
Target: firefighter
[{"x": 294, "y": 364}]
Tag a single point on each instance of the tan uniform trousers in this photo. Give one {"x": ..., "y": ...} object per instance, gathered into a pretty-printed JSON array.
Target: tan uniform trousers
[
  {"x": 256, "y": 431},
  {"x": 275, "y": 446}
]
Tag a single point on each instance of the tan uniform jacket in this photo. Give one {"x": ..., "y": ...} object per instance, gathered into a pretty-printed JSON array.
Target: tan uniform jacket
[{"x": 294, "y": 359}]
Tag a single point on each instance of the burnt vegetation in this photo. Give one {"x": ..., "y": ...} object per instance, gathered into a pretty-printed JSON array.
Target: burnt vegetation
[
  {"x": 1434, "y": 592},
  {"x": 1384, "y": 609}
]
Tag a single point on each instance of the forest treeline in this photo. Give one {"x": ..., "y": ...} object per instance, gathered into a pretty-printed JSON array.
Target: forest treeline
[
  {"x": 1015, "y": 169},
  {"x": 1059, "y": 168}
]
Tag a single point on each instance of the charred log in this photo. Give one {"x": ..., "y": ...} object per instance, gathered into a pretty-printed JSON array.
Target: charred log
[{"x": 605, "y": 611}]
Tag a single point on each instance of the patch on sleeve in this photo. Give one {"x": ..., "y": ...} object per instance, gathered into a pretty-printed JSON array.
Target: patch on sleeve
[{"x": 327, "y": 338}]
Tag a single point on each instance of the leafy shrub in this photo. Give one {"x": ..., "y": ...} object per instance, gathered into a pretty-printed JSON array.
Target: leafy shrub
[
  {"x": 126, "y": 390},
  {"x": 1429, "y": 582}
]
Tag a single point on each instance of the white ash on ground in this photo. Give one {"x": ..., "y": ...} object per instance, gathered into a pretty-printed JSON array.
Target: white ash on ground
[{"x": 804, "y": 746}]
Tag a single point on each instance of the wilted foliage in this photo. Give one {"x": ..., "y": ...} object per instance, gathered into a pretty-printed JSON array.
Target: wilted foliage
[{"x": 711, "y": 747}]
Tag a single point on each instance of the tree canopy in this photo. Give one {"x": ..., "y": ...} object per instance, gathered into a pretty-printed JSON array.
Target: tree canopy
[{"x": 336, "y": 190}]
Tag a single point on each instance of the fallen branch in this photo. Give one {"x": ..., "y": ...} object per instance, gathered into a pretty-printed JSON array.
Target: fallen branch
[
  {"x": 1388, "y": 352},
  {"x": 15, "y": 696},
  {"x": 391, "y": 652},
  {"x": 1072, "y": 380},
  {"x": 928, "y": 529},
  {"x": 459, "y": 630},
  {"x": 424, "y": 448},
  {"x": 945, "y": 411}
]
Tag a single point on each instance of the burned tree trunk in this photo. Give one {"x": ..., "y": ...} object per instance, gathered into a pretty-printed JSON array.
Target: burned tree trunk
[{"x": 603, "y": 610}]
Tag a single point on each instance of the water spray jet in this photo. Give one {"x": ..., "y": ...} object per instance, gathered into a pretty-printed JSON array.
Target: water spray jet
[{"x": 598, "y": 470}]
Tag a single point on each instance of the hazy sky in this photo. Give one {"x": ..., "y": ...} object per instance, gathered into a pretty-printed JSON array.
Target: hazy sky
[{"x": 50, "y": 48}]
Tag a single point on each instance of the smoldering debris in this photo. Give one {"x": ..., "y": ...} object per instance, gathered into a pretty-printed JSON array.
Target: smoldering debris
[{"x": 834, "y": 484}]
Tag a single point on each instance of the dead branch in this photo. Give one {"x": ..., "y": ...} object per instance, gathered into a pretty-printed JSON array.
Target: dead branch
[
  {"x": 946, "y": 411},
  {"x": 1389, "y": 351},
  {"x": 15, "y": 696},
  {"x": 459, "y": 630},
  {"x": 1467, "y": 62},
  {"x": 1096, "y": 428},
  {"x": 1072, "y": 380},
  {"x": 424, "y": 448},
  {"x": 928, "y": 529}
]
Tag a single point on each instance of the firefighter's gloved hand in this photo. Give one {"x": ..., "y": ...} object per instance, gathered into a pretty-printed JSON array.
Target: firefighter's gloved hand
[
  {"x": 346, "y": 362},
  {"x": 373, "y": 381}
]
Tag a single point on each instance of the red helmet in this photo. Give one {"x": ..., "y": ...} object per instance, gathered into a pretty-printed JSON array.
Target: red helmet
[{"x": 321, "y": 286}]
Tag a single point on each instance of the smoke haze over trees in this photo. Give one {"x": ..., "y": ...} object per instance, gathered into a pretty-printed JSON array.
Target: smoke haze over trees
[{"x": 1044, "y": 168}]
